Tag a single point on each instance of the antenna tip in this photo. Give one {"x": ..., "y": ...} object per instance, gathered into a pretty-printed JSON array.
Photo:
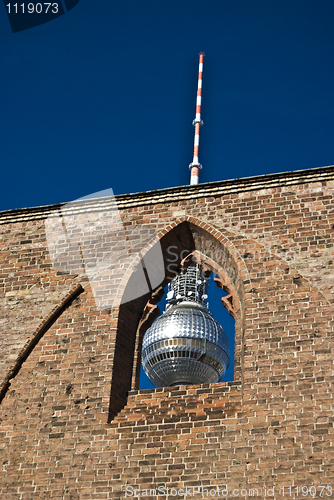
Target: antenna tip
[{"x": 201, "y": 53}]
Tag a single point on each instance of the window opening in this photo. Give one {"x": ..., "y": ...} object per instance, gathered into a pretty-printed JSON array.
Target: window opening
[{"x": 221, "y": 315}]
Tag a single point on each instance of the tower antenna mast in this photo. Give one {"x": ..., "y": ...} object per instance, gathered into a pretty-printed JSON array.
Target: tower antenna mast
[{"x": 195, "y": 166}]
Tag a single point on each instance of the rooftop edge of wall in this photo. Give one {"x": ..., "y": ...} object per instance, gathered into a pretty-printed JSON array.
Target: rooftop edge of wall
[{"x": 167, "y": 195}]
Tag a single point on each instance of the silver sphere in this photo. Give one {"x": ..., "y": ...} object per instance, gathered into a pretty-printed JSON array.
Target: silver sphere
[{"x": 185, "y": 345}]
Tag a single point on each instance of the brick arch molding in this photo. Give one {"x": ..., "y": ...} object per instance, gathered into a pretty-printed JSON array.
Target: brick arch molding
[{"x": 134, "y": 318}]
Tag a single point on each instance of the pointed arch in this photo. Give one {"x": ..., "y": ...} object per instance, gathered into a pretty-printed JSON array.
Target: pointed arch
[{"x": 186, "y": 234}]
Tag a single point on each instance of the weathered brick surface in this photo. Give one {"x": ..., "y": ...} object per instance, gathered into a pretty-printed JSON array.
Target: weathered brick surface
[{"x": 69, "y": 427}]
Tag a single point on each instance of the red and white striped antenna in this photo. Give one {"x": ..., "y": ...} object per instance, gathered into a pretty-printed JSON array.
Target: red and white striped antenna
[{"x": 195, "y": 166}]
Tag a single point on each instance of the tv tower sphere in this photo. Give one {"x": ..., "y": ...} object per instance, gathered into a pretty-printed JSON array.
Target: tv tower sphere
[{"x": 185, "y": 345}]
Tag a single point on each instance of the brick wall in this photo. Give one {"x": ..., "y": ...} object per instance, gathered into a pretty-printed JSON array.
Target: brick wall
[{"x": 70, "y": 427}]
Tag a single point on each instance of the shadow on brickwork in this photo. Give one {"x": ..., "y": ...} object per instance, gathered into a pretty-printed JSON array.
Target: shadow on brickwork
[{"x": 136, "y": 317}]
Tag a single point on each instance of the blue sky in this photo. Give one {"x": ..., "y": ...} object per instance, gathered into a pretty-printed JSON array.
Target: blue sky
[{"x": 104, "y": 96}]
